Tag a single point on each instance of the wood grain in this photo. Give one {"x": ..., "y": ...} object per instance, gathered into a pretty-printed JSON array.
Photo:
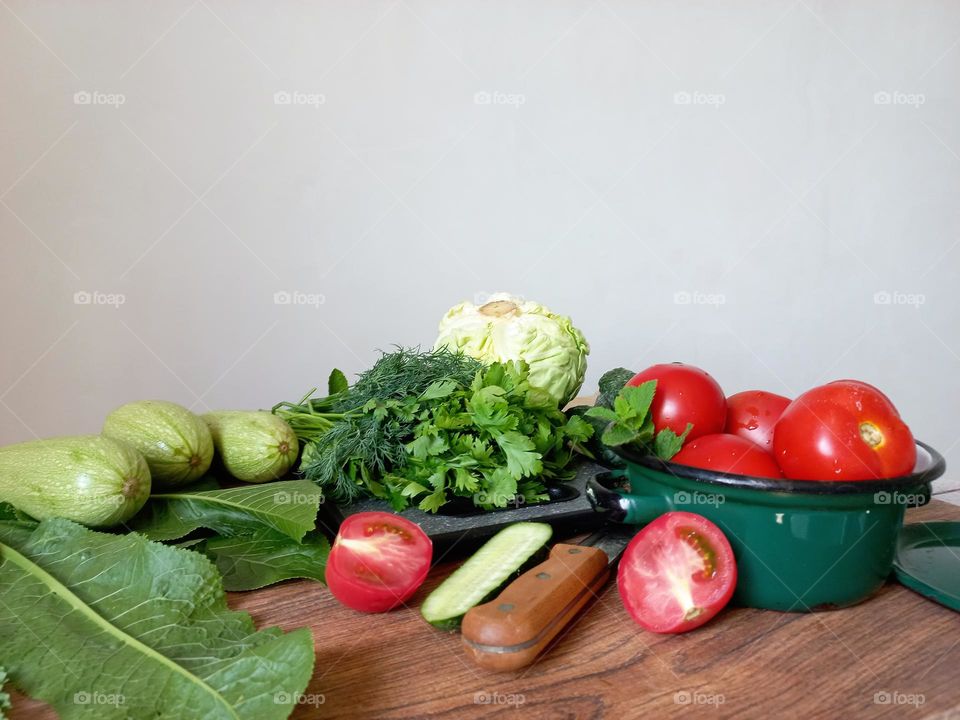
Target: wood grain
[{"x": 744, "y": 664}]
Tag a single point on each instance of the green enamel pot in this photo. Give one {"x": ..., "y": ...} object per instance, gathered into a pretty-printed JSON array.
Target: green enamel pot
[{"x": 800, "y": 545}]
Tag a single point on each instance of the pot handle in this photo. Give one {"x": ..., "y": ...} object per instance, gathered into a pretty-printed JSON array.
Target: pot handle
[{"x": 621, "y": 507}]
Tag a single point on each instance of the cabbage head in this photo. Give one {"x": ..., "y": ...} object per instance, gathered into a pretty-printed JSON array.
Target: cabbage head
[{"x": 511, "y": 328}]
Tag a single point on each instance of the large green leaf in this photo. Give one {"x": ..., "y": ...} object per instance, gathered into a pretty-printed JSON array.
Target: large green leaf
[
  {"x": 248, "y": 563},
  {"x": 4, "y": 696},
  {"x": 115, "y": 626},
  {"x": 288, "y": 507}
]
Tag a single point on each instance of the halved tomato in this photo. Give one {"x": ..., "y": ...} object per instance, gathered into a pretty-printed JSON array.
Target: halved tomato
[
  {"x": 377, "y": 561},
  {"x": 677, "y": 573}
]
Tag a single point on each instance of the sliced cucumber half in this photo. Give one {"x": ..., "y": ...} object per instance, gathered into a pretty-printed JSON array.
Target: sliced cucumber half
[{"x": 500, "y": 559}]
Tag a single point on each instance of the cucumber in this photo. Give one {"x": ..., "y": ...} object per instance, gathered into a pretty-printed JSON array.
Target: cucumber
[
  {"x": 175, "y": 442},
  {"x": 89, "y": 479},
  {"x": 255, "y": 446},
  {"x": 484, "y": 573}
]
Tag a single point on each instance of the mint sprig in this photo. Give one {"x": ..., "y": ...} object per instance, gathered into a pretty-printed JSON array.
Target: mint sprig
[{"x": 630, "y": 423}]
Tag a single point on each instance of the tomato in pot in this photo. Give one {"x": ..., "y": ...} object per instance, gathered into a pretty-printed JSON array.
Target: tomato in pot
[
  {"x": 377, "y": 561},
  {"x": 685, "y": 394},
  {"x": 676, "y": 573},
  {"x": 752, "y": 414},
  {"x": 728, "y": 454},
  {"x": 842, "y": 431}
]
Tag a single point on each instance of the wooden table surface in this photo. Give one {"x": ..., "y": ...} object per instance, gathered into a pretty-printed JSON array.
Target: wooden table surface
[{"x": 895, "y": 656}]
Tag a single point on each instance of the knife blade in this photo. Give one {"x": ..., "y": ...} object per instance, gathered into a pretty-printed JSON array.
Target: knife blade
[{"x": 508, "y": 632}]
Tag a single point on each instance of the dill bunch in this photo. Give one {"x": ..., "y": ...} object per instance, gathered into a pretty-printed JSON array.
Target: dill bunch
[
  {"x": 405, "y": 372},
  {"x": 357, "y": 434}
]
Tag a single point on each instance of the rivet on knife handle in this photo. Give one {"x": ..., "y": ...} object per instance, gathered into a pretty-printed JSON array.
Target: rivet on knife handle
[{"x": 510, "y": 631}]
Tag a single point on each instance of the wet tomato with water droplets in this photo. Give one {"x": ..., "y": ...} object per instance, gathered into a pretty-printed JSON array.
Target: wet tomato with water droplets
[
  {"x": 842, "y": 431},
  {"x": 377, "y": 561},
  {"x": 752, "y": 414},
  {"x": 676, "y": 573}
]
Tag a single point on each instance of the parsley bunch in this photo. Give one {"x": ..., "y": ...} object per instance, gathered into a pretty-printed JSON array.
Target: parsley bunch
[{"x": 495, "y": 441}]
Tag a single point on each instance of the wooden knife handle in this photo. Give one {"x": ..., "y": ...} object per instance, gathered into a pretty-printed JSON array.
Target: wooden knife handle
[{"x": 509, "y": 632}]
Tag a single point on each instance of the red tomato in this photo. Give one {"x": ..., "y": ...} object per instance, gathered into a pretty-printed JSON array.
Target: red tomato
[
  {"x": 844, "y": 430},
  {"x": 677, "y": 573},
  {"x": 685, "y": 394},
  {"x": 377, "y": 561},
  {"x": 728, "y": 454},
  {"x": 753, "y": 413}
]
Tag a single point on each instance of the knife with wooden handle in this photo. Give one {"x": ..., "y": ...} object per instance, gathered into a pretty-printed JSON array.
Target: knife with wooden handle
[{"x": 511, "y": 630}]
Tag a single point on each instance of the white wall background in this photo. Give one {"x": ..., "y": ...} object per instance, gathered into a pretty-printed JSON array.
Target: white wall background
[{"x": 783, "y": 188}]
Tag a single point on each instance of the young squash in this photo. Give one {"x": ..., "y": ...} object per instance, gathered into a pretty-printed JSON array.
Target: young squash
[
  {"x": 89, "y": 479},
  {"x": 255, "y": 446},
  {"x": 175, "y": 442}
]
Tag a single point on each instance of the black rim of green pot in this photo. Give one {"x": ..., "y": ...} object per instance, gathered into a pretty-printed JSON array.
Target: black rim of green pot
[{"x": 930, "y": 465}]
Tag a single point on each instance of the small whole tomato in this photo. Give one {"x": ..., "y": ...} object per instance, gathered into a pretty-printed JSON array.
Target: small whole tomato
[
  {"x": 377, "y": 561},
  {"x": 753, "y": 413},
  {"x": 728, "y": 454},
  {"x": 685, "y": 394},
  {"x": 844, "y": 430},
  {"x": 676, "y": 573}
]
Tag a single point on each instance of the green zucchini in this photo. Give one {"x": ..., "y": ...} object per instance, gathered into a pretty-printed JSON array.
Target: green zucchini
[
  {"x": 175, "y": 443},
  {"x": 484, "y": 573},
  {"x": 89, "y": 479},
  {"x": 255, "y": 446}
]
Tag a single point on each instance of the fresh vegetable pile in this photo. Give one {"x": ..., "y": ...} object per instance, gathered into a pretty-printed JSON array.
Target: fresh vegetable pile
[
  {"x": 194, "y": 505},
  {"x": 427, "y": 427}
]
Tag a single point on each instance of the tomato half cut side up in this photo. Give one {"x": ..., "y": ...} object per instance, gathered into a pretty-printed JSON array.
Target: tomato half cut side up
[
  {"x": 677, "y": 573},
  {"x": 377, "y": 561}
]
